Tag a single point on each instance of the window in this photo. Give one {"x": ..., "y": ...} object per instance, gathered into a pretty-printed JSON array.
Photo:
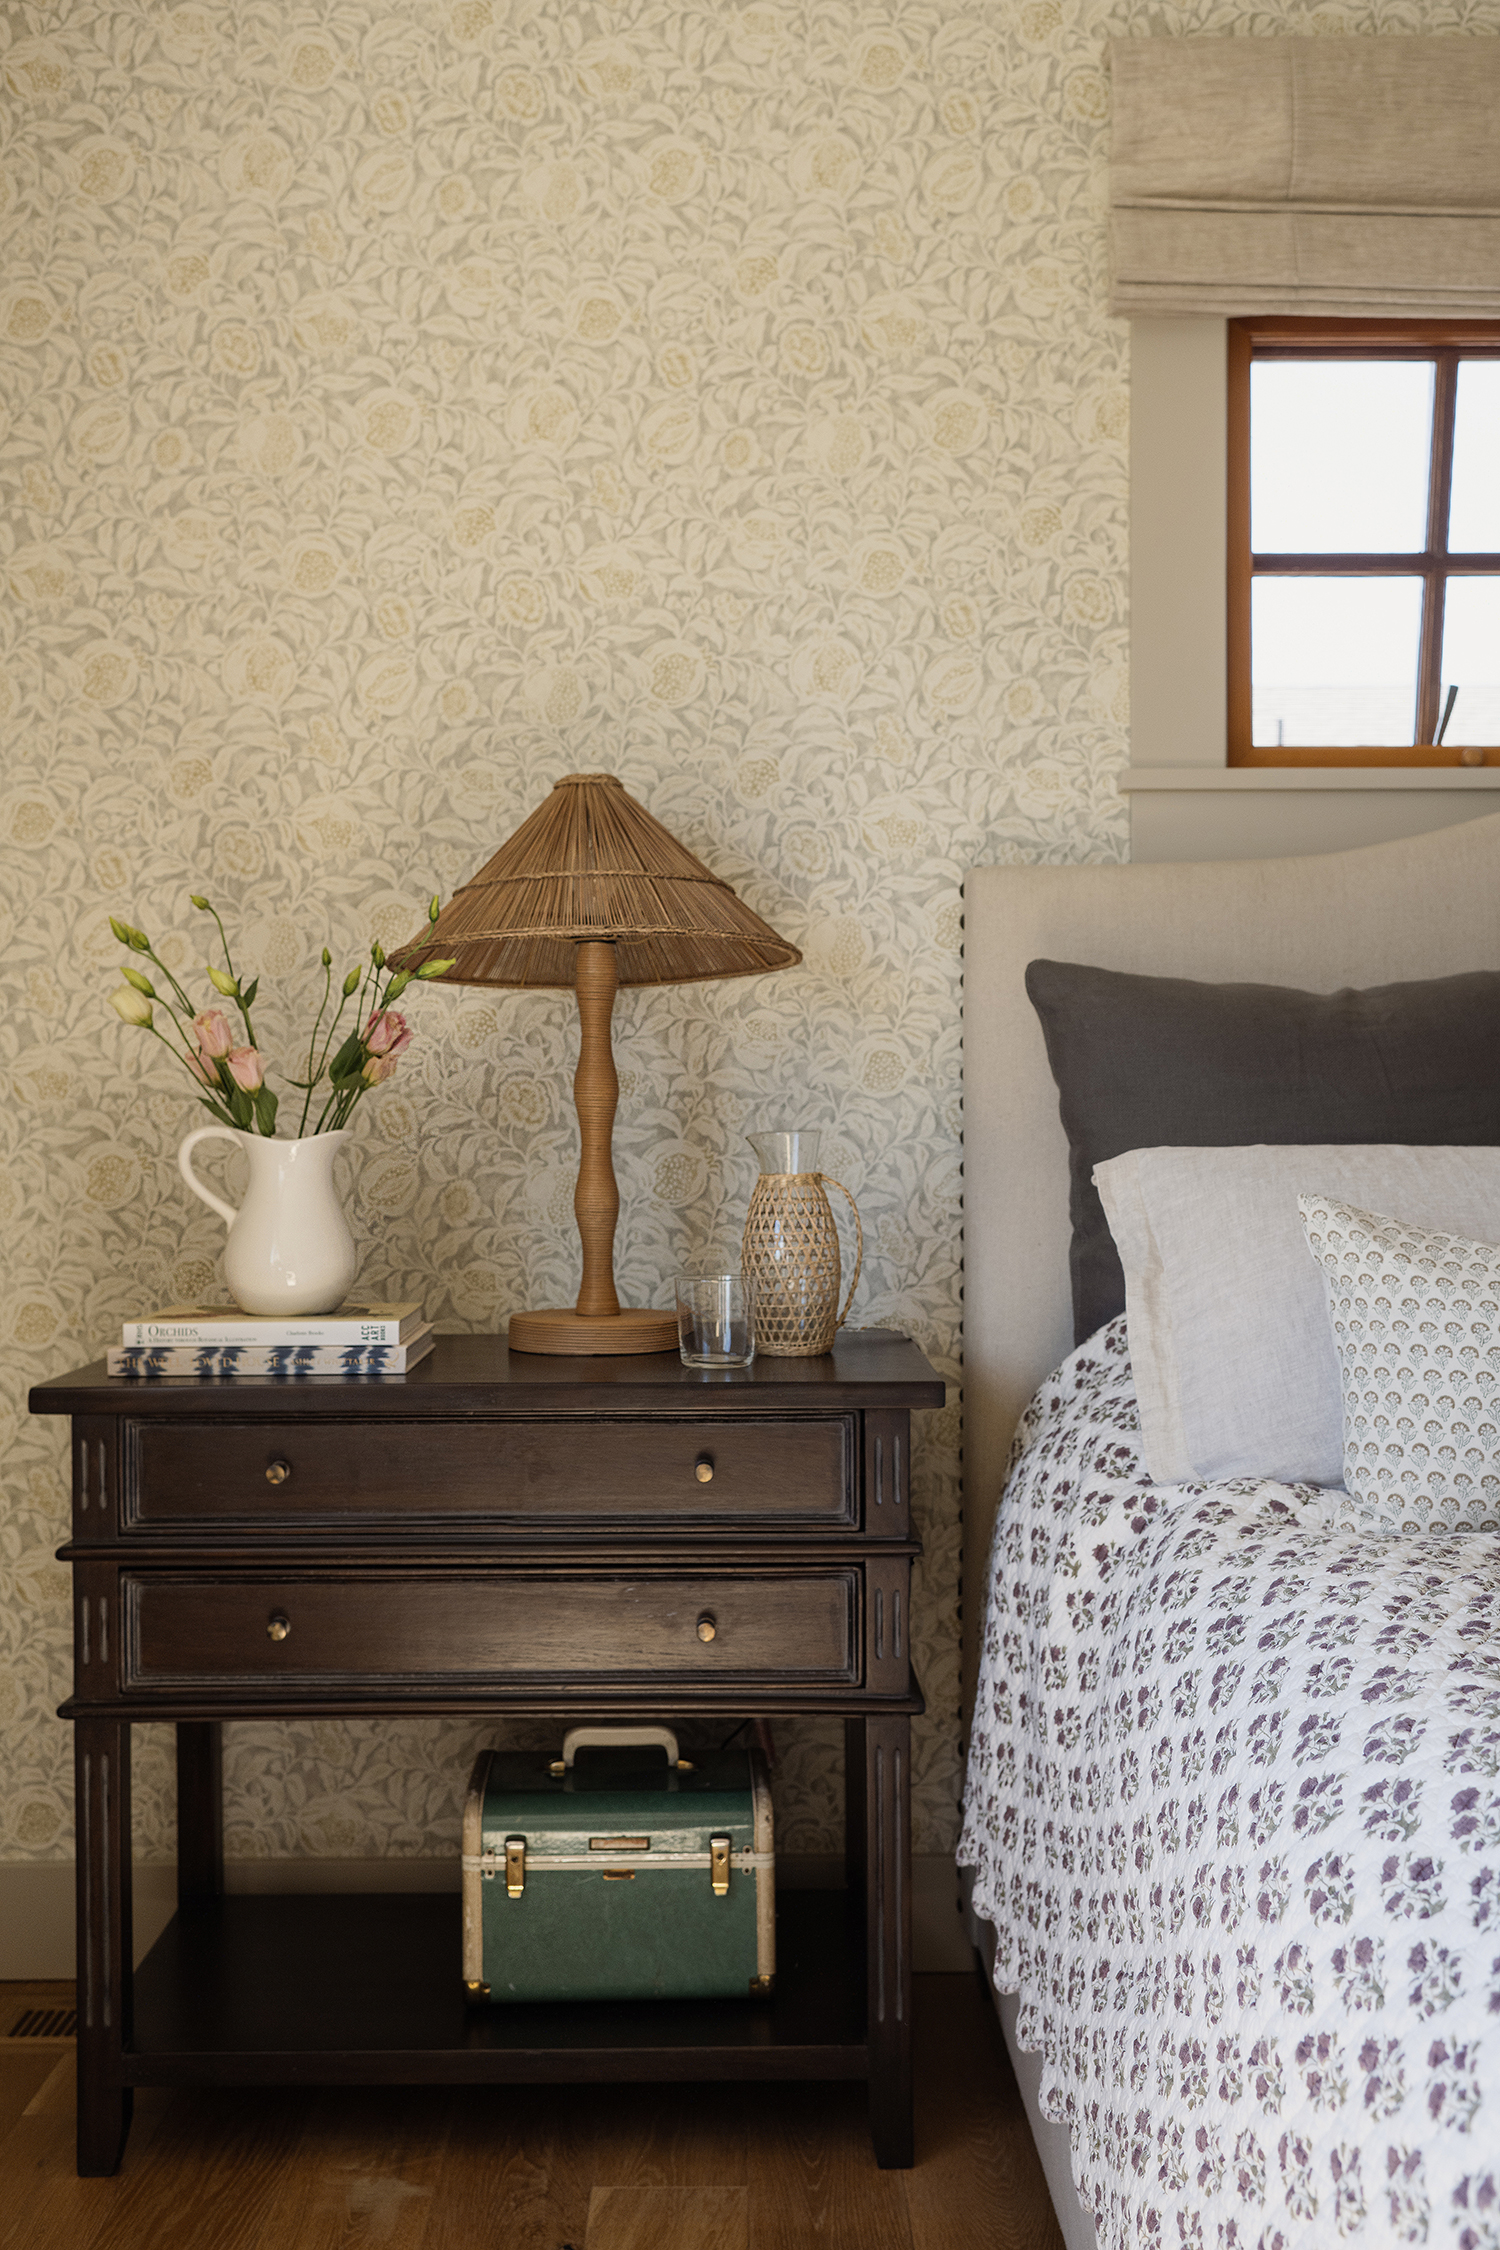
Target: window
[{"x": 1364, "y": 543}]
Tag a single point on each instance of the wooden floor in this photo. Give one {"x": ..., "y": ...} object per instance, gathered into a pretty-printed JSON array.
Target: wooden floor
[{"x": 545, "y": 2168}]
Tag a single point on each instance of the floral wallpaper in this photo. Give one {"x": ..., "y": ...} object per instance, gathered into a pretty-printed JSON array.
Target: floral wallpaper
[{"x": 405, "y": 402}]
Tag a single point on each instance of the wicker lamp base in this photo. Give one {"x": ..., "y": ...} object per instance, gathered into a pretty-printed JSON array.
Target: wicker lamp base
[{"x": 592, "y": 1335}]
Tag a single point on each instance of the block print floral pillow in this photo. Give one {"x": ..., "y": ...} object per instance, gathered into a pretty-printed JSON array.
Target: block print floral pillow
[{"x": 1416, "y": 1322}]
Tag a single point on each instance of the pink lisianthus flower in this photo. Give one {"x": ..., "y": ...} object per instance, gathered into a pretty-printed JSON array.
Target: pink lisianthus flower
[
  {"x": 387, "y": 1034},
  {"x": 378, "y": 1069},
  {"x": 214, "y": 1034},
  {"x": 246, "y": 1069},
  {"x": 201, "y": 1069}
]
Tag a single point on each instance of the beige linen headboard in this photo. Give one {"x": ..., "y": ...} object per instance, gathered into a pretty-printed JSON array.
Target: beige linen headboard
[{"x": 1426, "y": 906}]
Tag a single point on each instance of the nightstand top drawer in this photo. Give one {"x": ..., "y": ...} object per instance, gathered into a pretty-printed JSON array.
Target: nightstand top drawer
[{"x": 796, "y": 1472}]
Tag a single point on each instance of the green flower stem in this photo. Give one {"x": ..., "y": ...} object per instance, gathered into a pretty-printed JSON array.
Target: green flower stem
[
  {"x": 312, "y": 1077},
  {"x": 344, "y": 999},
  {"x": 221, "y": 1113},
  {"x": 341, "y": 1102},
  {"x": 334, "y": 1097},
  {"x": 183, "y": 1001},
  {"x": 372, "y": 976},
  {"x": 172, "y": 1017},
  {"x": 234, "y": 972}
]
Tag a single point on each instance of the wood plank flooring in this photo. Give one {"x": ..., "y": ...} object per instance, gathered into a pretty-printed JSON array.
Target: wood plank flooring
[
  {"x": 532, "y": 2168},
  {"x": 669, "y": 2218}
]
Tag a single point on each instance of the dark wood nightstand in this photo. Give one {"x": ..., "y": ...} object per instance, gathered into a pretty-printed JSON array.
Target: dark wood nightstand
[{"x": 487, "y": 1534}]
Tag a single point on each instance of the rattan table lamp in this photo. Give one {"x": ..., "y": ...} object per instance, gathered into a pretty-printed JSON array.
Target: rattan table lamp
[{"x": 592, "y": 892}]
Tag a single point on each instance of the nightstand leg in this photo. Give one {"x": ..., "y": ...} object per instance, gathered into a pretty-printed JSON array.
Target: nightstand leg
[
  {"x": 101, "y": 1765},
  {"x": 887, "y": 1810},
  {"x": 200, "y": 1812},
  {"x": 855, "y": 1840}
]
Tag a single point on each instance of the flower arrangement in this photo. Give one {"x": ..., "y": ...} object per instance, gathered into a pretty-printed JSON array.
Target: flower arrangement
[{"x": 235, "y": 1075}]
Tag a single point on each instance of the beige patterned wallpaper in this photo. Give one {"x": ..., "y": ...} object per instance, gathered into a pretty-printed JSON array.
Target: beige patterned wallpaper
[{"x": 403, "y": 402}]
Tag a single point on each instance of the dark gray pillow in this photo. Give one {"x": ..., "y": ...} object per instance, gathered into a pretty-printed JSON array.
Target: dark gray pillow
[{"x": 1163, "y": 1062}]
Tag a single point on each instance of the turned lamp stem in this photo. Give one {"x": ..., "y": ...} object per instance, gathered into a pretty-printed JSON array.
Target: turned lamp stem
[
  {"x": 597, "y": 1322},
  {"x": 596, "y": 1091}
]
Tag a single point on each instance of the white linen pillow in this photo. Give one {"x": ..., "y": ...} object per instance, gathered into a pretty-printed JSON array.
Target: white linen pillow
[
  {"x": 1234, "y": 1357},
  {"x": 1416, "y": 1321}
]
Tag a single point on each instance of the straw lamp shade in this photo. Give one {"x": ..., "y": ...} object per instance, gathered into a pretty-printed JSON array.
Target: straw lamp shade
[{"x": 592, "y": 892}]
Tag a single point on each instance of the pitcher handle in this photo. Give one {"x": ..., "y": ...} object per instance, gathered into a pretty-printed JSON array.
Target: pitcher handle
[
  {"x": 859, "y": 1242},
  {"x": 226, "y": 1211}
]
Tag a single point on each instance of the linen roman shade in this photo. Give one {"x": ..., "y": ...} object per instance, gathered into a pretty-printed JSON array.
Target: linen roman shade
[{"x": 1330, "y": 176}]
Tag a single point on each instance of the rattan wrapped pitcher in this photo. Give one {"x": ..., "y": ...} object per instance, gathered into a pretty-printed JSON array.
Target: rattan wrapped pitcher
[{"x": 791, "y": 1249}]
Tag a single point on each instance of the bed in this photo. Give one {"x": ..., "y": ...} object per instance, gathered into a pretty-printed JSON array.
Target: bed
[{"x": 1290, "y": 2032}]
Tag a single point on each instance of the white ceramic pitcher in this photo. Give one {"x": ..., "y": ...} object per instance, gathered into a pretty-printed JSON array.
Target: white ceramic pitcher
[{"x": 289, "y": 1248}]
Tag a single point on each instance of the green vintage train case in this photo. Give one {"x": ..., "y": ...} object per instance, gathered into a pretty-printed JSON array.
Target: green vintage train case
[{"x": 618, "y": 1872}]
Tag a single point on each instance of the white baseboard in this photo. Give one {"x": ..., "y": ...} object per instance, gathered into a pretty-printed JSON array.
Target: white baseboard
[{"x": 36, "y": 1901}]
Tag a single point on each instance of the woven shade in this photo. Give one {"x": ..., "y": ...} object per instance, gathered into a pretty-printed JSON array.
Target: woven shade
[
  {"x": 592, "y": 863},
  {"x": 1337, "y": 176}
]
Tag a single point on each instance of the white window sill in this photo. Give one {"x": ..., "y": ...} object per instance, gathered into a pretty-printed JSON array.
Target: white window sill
[{"x": 1256, "y": 780}]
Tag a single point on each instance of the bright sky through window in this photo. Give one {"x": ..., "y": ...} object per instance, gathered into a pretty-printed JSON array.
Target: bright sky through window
[
  {"x": 1344, "y": 655},
  {"x": 1474, "y": 521},
  {"x": 1340, "y": 456},
  {"x": 1471, "y": 659}
]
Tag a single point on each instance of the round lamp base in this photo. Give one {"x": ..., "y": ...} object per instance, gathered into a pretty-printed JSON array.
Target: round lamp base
[{"x": 592, "y": 1336}]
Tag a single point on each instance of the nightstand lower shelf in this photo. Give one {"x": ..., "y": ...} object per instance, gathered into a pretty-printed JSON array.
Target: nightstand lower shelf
[{"x": 343, "y": 1990}]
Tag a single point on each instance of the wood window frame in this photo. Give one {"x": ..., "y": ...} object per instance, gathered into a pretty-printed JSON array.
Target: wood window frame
[{"x": 1446, "y": 342}]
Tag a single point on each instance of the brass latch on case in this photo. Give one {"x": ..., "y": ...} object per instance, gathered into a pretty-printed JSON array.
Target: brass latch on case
[
  {"x": 515, "y": 1866},
  {"x": 718, "y": 1865}
]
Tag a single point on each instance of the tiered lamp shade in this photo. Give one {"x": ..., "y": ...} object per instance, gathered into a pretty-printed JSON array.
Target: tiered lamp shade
[
  {"x": 592, "y": 893},
  {"x": 592, "y": 863}
]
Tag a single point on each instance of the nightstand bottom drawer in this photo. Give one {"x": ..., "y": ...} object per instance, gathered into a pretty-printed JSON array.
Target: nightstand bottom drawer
[{"x": 186, "y": 1631}]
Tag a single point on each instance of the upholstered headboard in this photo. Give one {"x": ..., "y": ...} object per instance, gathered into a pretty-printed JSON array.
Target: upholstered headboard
[{"x": 1426, "y": 906}]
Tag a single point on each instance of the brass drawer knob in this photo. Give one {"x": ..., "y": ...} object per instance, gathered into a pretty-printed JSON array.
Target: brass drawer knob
[
  {"x": 278, "y": 1625},
  {"x": 703, "y": 1469},
  {"x": 278, "y": 1472},
  {"x": 708, "y": 1626}
]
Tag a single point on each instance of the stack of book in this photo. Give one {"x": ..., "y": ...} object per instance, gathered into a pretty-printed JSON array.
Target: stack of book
[{"x": 213, "y": 1341}]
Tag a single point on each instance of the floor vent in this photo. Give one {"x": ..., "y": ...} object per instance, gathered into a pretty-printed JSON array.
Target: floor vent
[{"x": 45, "y": 2023}]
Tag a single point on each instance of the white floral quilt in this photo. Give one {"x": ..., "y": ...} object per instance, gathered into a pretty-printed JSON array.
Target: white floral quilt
[{"x": 1234, "y": 1806}]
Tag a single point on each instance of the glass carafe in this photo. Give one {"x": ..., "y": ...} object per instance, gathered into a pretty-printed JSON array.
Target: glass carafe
[{"x": 791, "y": 1248}]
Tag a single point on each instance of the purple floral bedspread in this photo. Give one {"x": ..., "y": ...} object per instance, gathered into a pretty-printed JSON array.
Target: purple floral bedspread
[{"x": 1234, "y": 1805}]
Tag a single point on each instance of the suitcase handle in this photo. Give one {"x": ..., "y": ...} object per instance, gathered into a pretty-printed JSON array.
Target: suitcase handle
[{"x": 618, "y": 1738}]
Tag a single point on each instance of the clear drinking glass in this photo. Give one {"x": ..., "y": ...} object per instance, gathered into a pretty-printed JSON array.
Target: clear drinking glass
[{"x": 716, "y": 1320}]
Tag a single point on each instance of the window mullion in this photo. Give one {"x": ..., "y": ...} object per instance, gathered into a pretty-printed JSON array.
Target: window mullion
[{"x": 1434, "y": 583}]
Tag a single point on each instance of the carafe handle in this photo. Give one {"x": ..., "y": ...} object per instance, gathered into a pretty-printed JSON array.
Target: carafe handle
[
  {"x": 859, "y": 1242},
  {"x": 226, "y": 1211}
]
